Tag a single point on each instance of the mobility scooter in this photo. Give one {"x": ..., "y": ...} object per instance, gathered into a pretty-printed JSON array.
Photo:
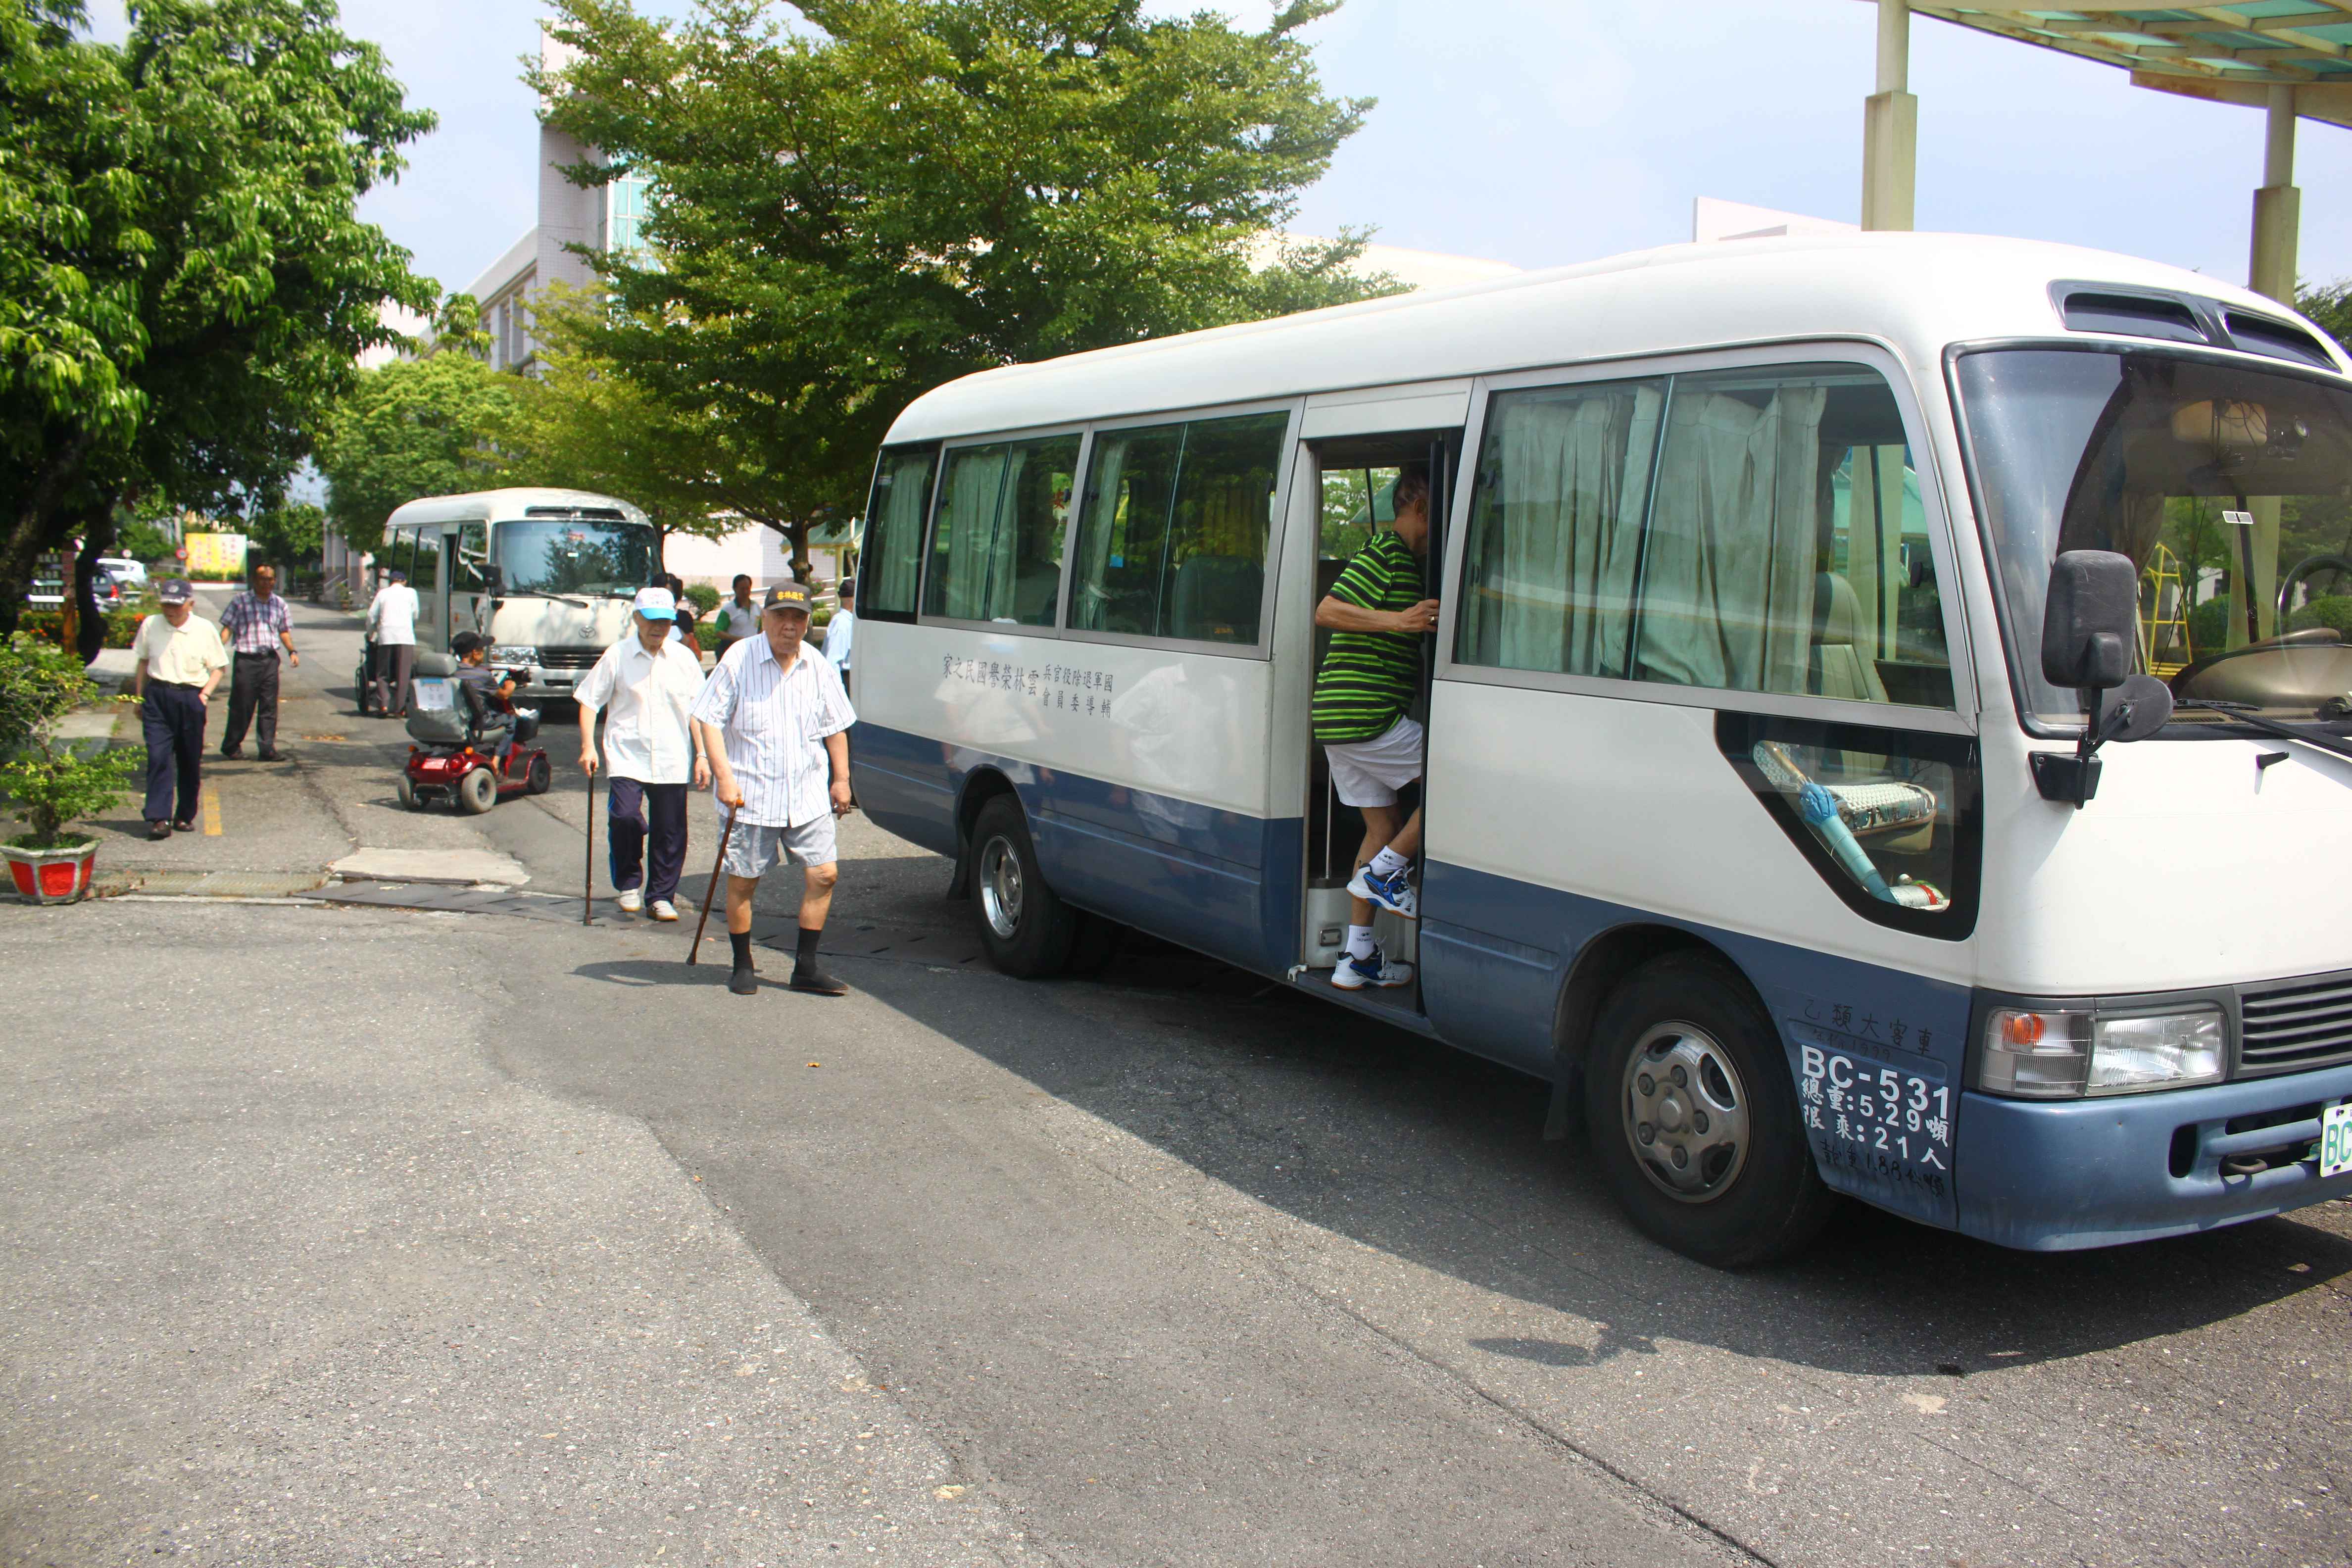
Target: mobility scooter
[{"x": 460, "y": 732}]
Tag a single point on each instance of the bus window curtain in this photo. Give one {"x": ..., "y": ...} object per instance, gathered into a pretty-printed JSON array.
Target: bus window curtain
[
  {"x": 977, "y": 553},
  {"x": 1571, "y": 480},
  {"x": 1089, "y": 598},
  {"x": 1727, "y": 584},
  {"x": 900, "y": 536}
]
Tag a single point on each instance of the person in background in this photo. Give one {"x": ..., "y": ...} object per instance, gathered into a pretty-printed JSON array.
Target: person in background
[
  {"x": 177, "y": 660},
  {"x": 683, "y": 627},
  {"x": 256, "y": 625},
  {"x": 841, "y": 632},
  {"x": 1371, "y": 675},
  {"x": 739, "y": 618},
  {"x": 391, "y": 626},
  {"x": 647, "y": 683},
  {"x": 771, "y": 719}
]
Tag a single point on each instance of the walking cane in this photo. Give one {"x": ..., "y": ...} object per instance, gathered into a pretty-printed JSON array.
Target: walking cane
[
  {"x": 588, "y": 880},
  {"x": 716, "y": 867}
]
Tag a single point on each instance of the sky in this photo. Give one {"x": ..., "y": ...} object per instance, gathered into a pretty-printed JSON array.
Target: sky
[{"x": 1547, "y": 132}]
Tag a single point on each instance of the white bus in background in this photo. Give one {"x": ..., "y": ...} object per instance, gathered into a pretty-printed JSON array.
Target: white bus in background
[
  {"x": 1779, "y": 578},
  {"x": 547, "y": 574}
]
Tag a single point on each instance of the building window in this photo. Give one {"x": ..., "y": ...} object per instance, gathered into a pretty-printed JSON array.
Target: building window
[{"x": 625, "y": 214}]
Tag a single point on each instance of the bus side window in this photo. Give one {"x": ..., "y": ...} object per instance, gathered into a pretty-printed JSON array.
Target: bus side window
[
  {"x": 892, "y": 558},
  {"x": 1172, "y": 539},
  {"x": 426, "y": 572},
  {"x": 1775, "y": 558},
  {"x": 1556, "y": 527},
  {"x": 996, "y": 542}
]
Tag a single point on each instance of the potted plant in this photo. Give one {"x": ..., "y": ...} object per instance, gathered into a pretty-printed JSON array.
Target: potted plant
[{"x": 48, "y": 783}]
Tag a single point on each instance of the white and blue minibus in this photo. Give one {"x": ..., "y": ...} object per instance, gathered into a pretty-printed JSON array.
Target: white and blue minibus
[{"x": 1886, "y": 728}]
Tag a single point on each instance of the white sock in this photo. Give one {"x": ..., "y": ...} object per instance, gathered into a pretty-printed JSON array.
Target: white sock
[
  {"x": 1388, "y": 863},
  {"x": 1360, "y": 941}
]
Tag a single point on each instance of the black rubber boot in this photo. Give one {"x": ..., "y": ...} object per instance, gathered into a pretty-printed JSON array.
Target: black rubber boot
[
  {"x": 745, "y": 980},
  {"x": 806, "y": 975}
]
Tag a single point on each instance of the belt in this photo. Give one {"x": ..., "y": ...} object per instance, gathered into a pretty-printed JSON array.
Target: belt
[
  {"x": 178, "y": 685},
  {"x": 265, "y": 653}
]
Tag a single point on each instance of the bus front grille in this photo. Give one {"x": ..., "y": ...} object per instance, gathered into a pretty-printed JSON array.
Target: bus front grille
[{"x": 2296, "y": 1025}]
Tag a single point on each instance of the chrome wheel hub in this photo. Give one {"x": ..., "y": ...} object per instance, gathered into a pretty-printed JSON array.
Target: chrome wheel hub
[
  {"x": 1686, "y": 1113},
  {"x": 999, "y": 887}
]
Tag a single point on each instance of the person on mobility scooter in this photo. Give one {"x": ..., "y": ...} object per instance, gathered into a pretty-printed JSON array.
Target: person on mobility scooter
[{"x": 472, "y": 741}]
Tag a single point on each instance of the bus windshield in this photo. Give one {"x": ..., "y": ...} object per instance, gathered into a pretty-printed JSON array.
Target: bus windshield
[
  {"x": 574, "y": 555},
  {"x": 2228, "y": 486}
]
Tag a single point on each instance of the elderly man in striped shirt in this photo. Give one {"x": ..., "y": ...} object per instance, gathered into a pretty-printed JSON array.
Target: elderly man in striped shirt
[
  {"x": 773, "y": 719},
  {"x": 256, "y": 625}
]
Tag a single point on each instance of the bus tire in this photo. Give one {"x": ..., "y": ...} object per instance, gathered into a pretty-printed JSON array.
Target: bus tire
[
  {"x": 1024, "y": 924},
  {"x": 1694, "y": 1116}
]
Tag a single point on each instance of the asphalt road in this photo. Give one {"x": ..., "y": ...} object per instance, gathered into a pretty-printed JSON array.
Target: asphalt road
[{"x": 1170, "y": 1267}]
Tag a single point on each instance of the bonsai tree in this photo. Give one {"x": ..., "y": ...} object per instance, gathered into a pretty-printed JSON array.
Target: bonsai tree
[{"x": 48, "y": 783}]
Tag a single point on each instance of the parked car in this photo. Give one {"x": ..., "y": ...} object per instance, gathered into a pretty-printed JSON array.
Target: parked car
[
  {"x": 48, "y": 590},
  {"x": 132, "y": 575}
]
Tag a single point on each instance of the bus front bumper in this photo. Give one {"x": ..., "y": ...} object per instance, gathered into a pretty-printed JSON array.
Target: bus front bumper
[{"x": 2054, "y": 1176}]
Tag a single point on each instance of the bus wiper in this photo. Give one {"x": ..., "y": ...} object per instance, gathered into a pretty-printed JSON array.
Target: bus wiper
[{"x": 2245, "y": 713}]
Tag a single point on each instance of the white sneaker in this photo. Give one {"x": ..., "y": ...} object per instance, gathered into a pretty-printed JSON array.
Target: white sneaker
[
  {"x": 632, "y": 900},
  {"x": 664, "y": 909},
  {"x": 1391, "y": 892},
  {"x": 1354, "y": 974}
]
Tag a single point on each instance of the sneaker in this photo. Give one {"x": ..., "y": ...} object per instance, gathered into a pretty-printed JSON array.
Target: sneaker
[
  {"x": 664, "y": 909},
  {"x": 1354, "y": 974},
  {"x": 631, "y": 900},
  {"x": 1391, "y": 892}
]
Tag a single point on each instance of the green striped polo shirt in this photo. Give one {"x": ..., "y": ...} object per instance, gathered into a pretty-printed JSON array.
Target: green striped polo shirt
[{"x": 1370, "y": 678}]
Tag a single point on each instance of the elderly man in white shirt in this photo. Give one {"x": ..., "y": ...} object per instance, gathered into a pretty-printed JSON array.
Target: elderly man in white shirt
[
  {"x": 391, "y": 626},
  {"x": 645, "y": 684},
  {"x": 772, "y": 718}
]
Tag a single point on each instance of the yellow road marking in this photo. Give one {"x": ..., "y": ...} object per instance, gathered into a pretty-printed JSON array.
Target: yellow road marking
[{"x": 212, "y": 812}]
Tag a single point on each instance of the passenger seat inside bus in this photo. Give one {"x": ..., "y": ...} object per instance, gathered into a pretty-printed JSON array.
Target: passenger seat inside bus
[
  {"x": 1217, "y": 598},
  {"x": 1840, "y": 666}
]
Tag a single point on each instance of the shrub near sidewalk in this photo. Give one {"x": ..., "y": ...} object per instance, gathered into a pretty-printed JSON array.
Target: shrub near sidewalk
[{"x": 49, "y": 784}]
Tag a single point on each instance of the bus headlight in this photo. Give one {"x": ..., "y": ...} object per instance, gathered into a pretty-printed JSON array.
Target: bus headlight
[
  {"x": 2067, "y": 1053},
  {"x": 514, "y": 653}
]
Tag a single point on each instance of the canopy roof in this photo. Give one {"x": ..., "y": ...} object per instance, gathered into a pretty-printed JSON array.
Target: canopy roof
[{"x": 2225, "y": 53}]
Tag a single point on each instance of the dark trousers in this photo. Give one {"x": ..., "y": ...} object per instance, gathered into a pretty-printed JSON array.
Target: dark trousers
[
  {"x": 172, "y": 719},
  {"x": 252, "y": 700},
  {"x": 389, "y": 680},
  {"x": 663, "y": 808}
]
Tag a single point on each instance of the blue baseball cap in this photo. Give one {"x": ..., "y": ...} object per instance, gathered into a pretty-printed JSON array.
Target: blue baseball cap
[{"x": 657, "y": 604}]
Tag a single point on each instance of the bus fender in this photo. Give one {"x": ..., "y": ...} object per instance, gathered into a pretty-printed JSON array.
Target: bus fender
[{"x": 1599, "y": 966}]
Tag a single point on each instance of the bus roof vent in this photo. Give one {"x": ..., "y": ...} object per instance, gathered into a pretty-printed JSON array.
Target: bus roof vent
[
  {"x": 2132, "y": 315},
  {"x": 600, "y": 513},
  {"x": 2280, "y": 340}
]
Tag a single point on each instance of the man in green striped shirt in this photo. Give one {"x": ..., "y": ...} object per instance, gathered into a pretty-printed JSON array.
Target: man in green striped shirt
[{"x": 1369, "y": 678}]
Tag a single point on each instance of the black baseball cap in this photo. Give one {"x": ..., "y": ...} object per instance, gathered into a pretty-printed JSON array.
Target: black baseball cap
[
  {"x": 788, "y": 596},
  {"x": 175, "y": 591}
]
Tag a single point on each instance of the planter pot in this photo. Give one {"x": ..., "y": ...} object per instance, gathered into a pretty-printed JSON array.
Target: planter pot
[{"x": 59, "y": 876}]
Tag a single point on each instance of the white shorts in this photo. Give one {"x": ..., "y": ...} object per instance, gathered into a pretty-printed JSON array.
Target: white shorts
[
  {"x": 1370, "y": 773},
  {"x": 751, "y": 848}
]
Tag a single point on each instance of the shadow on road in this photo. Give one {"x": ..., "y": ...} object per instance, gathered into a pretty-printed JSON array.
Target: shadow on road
[{"x": 1438, "y": 1157}]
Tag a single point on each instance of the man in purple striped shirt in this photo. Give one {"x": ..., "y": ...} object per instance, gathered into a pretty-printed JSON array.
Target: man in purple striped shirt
[
  {"x": 774, "y": 720},
  {"x": 256, "y": 625}
]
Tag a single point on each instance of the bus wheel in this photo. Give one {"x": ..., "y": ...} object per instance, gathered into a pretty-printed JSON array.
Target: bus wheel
[
  {"x": 1024, "y": 924},
  {"x": 1690, "y": 1106}
]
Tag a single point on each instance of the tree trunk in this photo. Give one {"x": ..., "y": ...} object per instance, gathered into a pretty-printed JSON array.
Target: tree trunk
[
  {"x": 31, "y": 527},
  {"x": 96, "y": 538}
]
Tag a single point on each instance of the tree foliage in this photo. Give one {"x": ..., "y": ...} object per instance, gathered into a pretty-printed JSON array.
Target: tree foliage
[
  {"x": 186, "y": 286},
  {"x": 844, "y": 213},
  {"x": 410, "y": 428}
]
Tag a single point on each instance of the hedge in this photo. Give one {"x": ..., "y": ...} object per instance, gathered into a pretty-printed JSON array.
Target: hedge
[{"x": 122, "y": 625}]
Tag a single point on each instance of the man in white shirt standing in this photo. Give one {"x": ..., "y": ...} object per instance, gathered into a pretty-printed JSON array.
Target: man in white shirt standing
[
  {"x": 647, "y": 683},
  {"x": 841, "y": 632},
  {"x": 772, "y": 720},
  {"x": 391, "y": 626},
  {"x": 177, "y": 661}
]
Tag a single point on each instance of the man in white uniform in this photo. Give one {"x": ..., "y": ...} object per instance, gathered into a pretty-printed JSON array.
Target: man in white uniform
[
  {"x": 645, "y": 684},
  {"x": 772, "y": 720},
  {"x": 841, "y": 632},
  {"x": 391, "y": 626}
]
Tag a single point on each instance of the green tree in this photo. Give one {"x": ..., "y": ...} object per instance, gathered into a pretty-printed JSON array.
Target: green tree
[
  {"x": 410, "y": 428},
  {"x": 286, "y": 535},
  {"x": 843, "y": 215},
  {"x": 200, "y": 286}
]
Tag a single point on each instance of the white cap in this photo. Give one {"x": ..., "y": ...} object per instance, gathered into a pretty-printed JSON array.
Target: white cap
[{"x": 657, "y": 604}]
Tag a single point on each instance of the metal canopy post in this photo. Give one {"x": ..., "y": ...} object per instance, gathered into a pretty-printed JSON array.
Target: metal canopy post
[
  {"x": 2278, "y": 204},
  {"x": 1890, "y": 126}
]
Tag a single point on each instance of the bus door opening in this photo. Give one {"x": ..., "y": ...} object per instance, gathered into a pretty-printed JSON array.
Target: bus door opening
[{"x": 1359, "y": 475}]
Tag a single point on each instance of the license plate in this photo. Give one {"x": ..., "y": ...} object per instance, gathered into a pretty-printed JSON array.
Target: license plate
[{"x": 2335, "y": 1141}]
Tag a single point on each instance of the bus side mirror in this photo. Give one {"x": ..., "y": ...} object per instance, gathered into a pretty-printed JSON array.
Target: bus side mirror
[
  {"x": 2090, "y": 623},
  {"x": 494, "y": 581},
  {"x": 2089, "y": 620}
]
